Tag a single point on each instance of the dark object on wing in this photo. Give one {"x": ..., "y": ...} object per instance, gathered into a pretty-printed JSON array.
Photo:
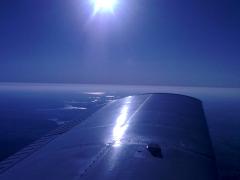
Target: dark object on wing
[{"x": 155, "y": 150}]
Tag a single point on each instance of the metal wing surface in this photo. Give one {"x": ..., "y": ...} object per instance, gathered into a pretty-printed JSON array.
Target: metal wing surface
[{"x": 149, "y": 136}]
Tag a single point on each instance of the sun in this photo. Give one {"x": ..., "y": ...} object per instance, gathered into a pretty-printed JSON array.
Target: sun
[{"x": 104, "y": 6}]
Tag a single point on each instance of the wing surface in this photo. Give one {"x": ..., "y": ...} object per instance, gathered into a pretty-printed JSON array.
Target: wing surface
[{"x": 150, "y": 136}]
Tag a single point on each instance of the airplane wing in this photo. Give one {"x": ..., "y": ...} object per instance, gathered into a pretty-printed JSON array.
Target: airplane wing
[{"x": 149, "y": 136}]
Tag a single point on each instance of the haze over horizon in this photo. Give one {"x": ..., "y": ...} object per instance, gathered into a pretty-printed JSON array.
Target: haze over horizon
[{"x": 142, "y": 42}]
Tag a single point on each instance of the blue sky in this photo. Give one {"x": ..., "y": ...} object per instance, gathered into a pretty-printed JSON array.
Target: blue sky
[{"x": 153, "y": 42}]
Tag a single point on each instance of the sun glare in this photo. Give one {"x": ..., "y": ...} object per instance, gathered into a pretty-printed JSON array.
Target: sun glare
[{"x": 104, "y": 5}]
